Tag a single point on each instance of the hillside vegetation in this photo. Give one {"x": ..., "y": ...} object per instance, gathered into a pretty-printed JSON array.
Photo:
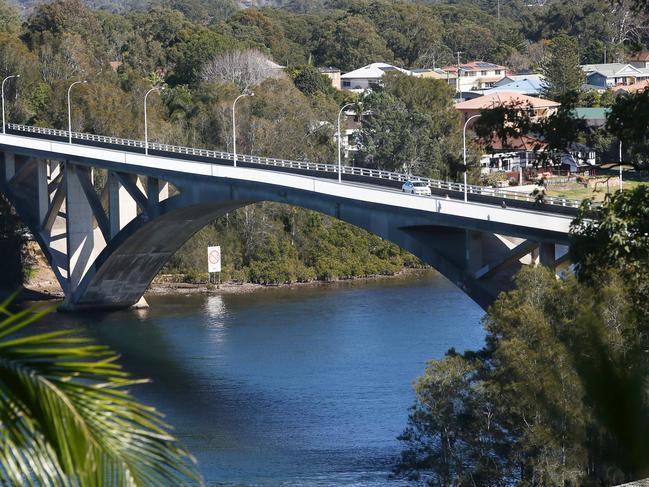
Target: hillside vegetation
[{"x": 123, "y": 49}]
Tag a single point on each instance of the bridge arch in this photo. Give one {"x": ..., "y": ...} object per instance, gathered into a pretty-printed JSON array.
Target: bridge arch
[
  {"x": 104, "y": 259},
  {"x": 124, "y": 269}
]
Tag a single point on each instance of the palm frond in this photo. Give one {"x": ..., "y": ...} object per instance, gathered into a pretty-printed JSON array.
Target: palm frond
[{"x": 67, "y": 418}]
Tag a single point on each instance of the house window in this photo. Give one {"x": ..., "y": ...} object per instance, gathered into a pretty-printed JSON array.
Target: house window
[
  {"x": 483, "y": 73},
  {"x": 499, "y": 71},
  {"x": 347, "y": 83}
]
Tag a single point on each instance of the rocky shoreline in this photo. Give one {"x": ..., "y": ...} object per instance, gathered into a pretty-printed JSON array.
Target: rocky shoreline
[
  {"x": 43, "y": 285},
  {"x": 160, "y": 287}
]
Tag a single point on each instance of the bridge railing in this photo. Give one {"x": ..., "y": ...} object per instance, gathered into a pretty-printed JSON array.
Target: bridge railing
[{"x": 301, "y": 165}]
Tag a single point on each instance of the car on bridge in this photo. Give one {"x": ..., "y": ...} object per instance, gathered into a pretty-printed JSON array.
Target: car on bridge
[{"x": 416, "y": 187}]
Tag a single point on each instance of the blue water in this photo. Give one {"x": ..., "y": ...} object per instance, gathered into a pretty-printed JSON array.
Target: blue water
[{"x": 287, "y": 387}]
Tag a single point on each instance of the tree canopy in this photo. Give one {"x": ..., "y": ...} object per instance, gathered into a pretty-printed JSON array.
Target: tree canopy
[
  {"x": 561, "y": 68},
  {"x": 558, "y": 395},
  {"x": 410, "y": 124}
]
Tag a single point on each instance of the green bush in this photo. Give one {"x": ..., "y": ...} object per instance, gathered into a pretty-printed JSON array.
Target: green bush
[
  {"x": 192, "y": 276},
  {"x": 276, "y": 244}
]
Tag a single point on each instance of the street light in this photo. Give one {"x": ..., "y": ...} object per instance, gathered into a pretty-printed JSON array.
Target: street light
[
  {"x": 3, "y": 99},
  {"x": 340, "y": 165},
  {"x": 620, "y": 165},
  {"x": 146, "y": 126},
  {"x": 69, "y": 109},
  {"x": 234, "y": 126},
  {"x": 464, "y": 141}
]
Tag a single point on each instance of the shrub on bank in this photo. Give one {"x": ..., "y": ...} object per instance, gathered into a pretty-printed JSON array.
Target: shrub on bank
[{"x": 275, "y": 244}]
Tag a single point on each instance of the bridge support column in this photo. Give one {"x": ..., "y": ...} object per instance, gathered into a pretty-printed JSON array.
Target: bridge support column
[
  {"x": 41, "y": 188},
  {"x": 53, "y": 169},
  {"x": 79, "y": 221},
  {"x": 547, "y": 255},
  {"x": 10, "y": 165},
  {"x": 121, "y": 207},
  {"x": 473, "y": 246},
  {"x": 156, "y": 192}
]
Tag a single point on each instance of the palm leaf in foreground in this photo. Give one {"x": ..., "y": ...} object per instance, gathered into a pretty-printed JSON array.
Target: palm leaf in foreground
[{"x": 67, "y": 419}]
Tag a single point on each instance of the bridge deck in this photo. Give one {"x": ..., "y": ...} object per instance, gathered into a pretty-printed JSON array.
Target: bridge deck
[{"x": 482, "y": 211}]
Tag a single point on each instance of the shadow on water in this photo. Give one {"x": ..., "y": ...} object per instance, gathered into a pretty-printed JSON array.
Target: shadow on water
[{"x": 303, "y": 386}]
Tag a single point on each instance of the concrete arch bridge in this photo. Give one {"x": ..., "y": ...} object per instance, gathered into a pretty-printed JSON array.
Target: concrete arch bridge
[{"x": 106, "y": 245}]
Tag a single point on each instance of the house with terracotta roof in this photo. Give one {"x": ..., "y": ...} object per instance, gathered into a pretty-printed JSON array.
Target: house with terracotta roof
[
  {"x": 540, "y": 107},
  {"x": 476, "y": 75},
  {"x": 521, "y": 151},
  {"x": 639, "y": 59},
  {"x": 634, "y": 87}
]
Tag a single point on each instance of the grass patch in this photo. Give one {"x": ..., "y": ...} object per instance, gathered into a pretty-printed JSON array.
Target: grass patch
[{"x": 578, "y": 192}]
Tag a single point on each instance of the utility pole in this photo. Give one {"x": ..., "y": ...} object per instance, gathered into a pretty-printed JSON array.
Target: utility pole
[
  {"x": 498, "y": 9},
  {"x": 605, "y": 54},
  {"x": 458, "y": 72},
  {"x": 620, "y": 165}
]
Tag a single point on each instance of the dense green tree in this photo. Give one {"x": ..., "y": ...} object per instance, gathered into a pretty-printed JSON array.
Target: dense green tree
[
  {"x": 615, "y": 235},
  {"x": 64, "y": 17},
  {"x": 410, "y": 124},
  {"x": 562, "y": 379},
  {"x": 9, "y": 18},
  {"x": 628, "y": 121},
  {"x": 410, "y": 31},
  {"x": 309, "y": 80},
  {"x": 561, "y": 68},
  {"x": 349, "y": 43},
  {"x": 203, "y": 12},
  {"x": 283, "y": 35},
  {"x": 13, "y": 237},
  {"x": 452, "y": 437},
  {"x": 535, "y": 397},
  {"x": 272, "y": 244},
  {"x": 282, "y": 122},
  {"x": 192, "y": 49}
]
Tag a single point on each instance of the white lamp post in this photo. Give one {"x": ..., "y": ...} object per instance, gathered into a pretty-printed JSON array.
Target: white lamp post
[
  {"x": 3, "y": 99},
  {"x": 234, "y": 126},
  {"x": 464, "y": 142},
  {"x": 620, "y": 165},
  {"x": 146, "y": 126},
  {"x": 340, "y": 164},
  {"x": 70, "y": 110}
]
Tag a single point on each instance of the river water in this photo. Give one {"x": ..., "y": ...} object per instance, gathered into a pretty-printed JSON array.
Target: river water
[{"x": 288, "y": 387}]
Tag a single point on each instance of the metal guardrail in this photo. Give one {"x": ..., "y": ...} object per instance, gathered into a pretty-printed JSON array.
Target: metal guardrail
[{"x": 303, "y": 165}]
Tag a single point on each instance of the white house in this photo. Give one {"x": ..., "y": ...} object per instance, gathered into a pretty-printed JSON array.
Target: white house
[
  {"x": 350, "y": 125},
  {"x": 476, "y": 75},
  {"x": 614, "y": 74},
  {"x": 363, "y": 78}
]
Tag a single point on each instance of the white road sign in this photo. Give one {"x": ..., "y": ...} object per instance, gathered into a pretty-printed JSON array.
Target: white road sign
[{"x": 214, "y": 259}]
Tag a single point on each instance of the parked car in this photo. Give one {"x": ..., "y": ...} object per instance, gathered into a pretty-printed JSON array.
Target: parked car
[{"x": 416, "y": 187}]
